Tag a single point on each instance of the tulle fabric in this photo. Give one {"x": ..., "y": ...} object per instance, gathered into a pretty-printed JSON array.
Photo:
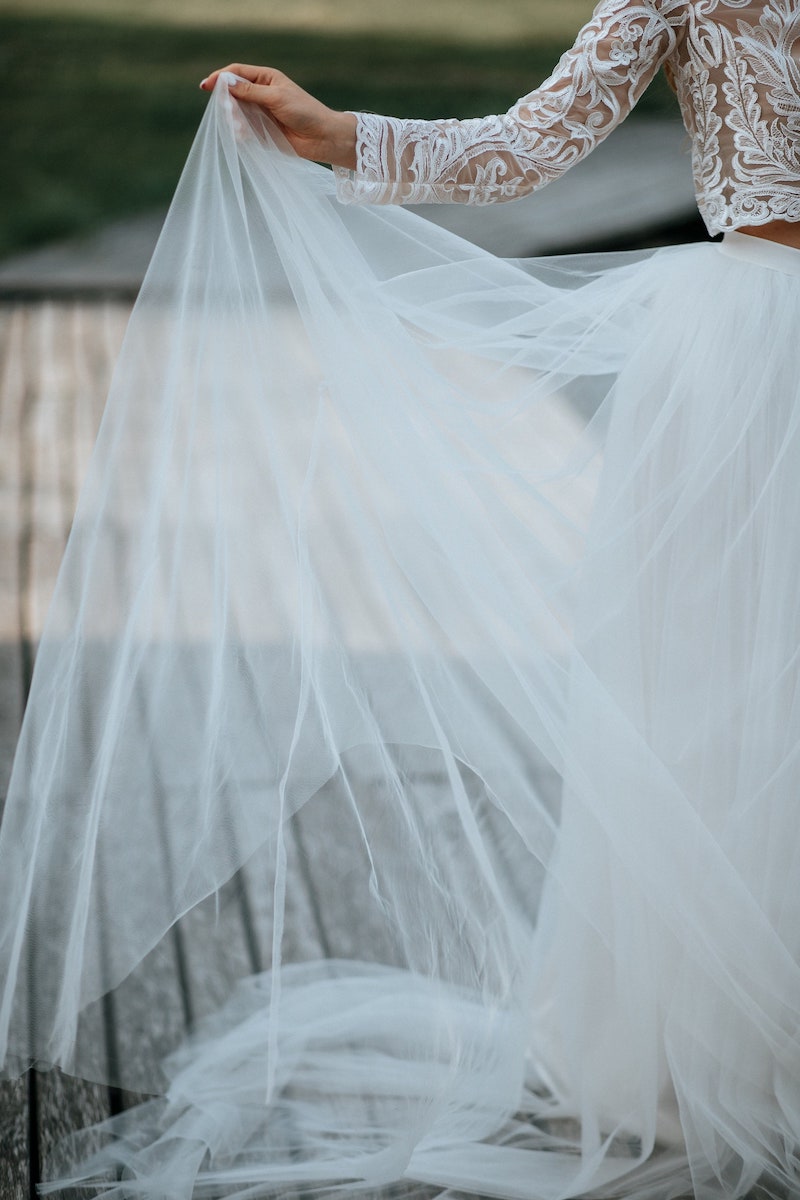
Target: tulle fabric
[{"x": 487, "y": 571}]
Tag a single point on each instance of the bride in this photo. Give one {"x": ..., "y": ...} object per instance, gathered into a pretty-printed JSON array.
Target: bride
[{"x": 382, "y": 536}]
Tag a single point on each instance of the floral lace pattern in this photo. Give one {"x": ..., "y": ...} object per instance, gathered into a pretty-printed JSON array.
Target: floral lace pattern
[{"x": 736, "y": 68}]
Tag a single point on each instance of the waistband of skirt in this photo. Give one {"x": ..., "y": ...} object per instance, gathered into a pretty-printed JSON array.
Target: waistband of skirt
[{"x": 761, "y": 251}]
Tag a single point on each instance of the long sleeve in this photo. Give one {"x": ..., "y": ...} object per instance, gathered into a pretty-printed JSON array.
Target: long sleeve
[{"x": 495, "y": 158}]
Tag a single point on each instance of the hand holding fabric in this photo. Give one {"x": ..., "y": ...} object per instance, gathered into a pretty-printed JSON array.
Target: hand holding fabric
[{"x": 313, "y": 130}]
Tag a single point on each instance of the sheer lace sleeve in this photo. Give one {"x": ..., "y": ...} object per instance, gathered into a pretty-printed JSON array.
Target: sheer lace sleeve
[{"x": 489, "y": 159}]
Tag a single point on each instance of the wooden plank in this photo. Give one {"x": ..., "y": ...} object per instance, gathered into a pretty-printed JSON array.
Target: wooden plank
[
  {"x": 12, "y": 396},
  {"x": 337, "y": 865},
  {"x": 337, "y": 873},
  {"x": 337, "y": 868},
  {"x": 149, "y": 1008},
  {"x": 228, "y": 936},
  {"x": 65, "y": 1106},
  {"x": 42, "y": 396},
  {"x": 13, "y": 1139},
  {"x": 14, "y": 1131},
  {"x": 48, "y": 487}
]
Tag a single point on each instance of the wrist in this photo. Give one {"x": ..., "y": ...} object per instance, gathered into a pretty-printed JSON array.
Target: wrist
[{"x": 343, "y": 140}]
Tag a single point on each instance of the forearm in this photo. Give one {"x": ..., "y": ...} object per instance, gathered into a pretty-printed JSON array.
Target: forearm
[
  {"x": 483, "y": 160},
  {"x": 489, "y": 159}
]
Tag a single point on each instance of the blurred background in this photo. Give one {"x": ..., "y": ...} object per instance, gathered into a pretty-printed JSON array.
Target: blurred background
[{"x": 100, "y": 97}]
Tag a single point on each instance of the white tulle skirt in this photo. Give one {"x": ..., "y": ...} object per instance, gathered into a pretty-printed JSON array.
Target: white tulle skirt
[{"x": 483, "y": 576}]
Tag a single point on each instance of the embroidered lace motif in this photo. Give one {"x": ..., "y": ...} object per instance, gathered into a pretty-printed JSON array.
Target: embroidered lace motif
[{"x": 736, "y": 68}]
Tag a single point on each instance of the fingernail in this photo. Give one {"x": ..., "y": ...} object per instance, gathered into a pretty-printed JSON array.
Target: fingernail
[{"x": 203, "y": 82}]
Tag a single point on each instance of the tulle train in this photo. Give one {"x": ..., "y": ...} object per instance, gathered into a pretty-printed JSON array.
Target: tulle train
[{"x": 485, "y": 572}]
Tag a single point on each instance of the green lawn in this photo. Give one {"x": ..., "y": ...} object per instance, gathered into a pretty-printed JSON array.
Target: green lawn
[
  {"x": 475, "y": 21},
  {"x": 99, "y": 110}
]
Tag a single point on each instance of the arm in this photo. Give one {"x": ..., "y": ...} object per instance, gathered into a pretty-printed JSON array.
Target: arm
[{"x": 489, "y": 159}]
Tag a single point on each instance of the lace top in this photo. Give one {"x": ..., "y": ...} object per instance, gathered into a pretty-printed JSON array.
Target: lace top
[{"x": 735, "y": 65}]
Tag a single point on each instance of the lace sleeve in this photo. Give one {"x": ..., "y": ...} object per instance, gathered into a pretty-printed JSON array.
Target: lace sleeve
[{"x": 489, "y": 159}]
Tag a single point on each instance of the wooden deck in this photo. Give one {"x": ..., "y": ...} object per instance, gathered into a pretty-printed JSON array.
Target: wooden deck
[
  {"x": 55, "y": 361},
  {"x": 55, "y": 364},
  {"x": 56, "y": 358}
]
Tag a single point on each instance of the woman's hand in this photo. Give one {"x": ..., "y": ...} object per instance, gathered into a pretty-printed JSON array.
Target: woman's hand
[{"x": 312, "y": 129}]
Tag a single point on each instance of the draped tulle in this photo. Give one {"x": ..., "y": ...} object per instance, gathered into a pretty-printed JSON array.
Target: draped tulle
[{"x": 491, "y": 566}]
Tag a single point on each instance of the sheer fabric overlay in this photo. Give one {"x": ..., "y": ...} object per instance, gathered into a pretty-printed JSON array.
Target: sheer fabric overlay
[{"x": 391, "y": 536}]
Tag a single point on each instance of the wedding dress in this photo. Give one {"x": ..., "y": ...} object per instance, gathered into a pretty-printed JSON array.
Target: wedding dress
[{"x": 483, "y": 574}]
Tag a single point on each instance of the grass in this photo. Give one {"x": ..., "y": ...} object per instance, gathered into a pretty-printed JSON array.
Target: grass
[
  {"x": 471, "y": 21},
  {"x": 99, "y": 111}
]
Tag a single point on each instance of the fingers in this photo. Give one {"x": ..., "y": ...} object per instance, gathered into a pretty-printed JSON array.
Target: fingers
[
  {"x": 264, "y": 95},
  {"x": 244, "y": 90},
  {"x": 254, "y": 75}
]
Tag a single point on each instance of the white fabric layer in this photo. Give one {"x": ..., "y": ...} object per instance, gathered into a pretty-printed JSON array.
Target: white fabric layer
[
  {"x": 381, "y": 534},
  {"x": 735, "y": 69}
]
